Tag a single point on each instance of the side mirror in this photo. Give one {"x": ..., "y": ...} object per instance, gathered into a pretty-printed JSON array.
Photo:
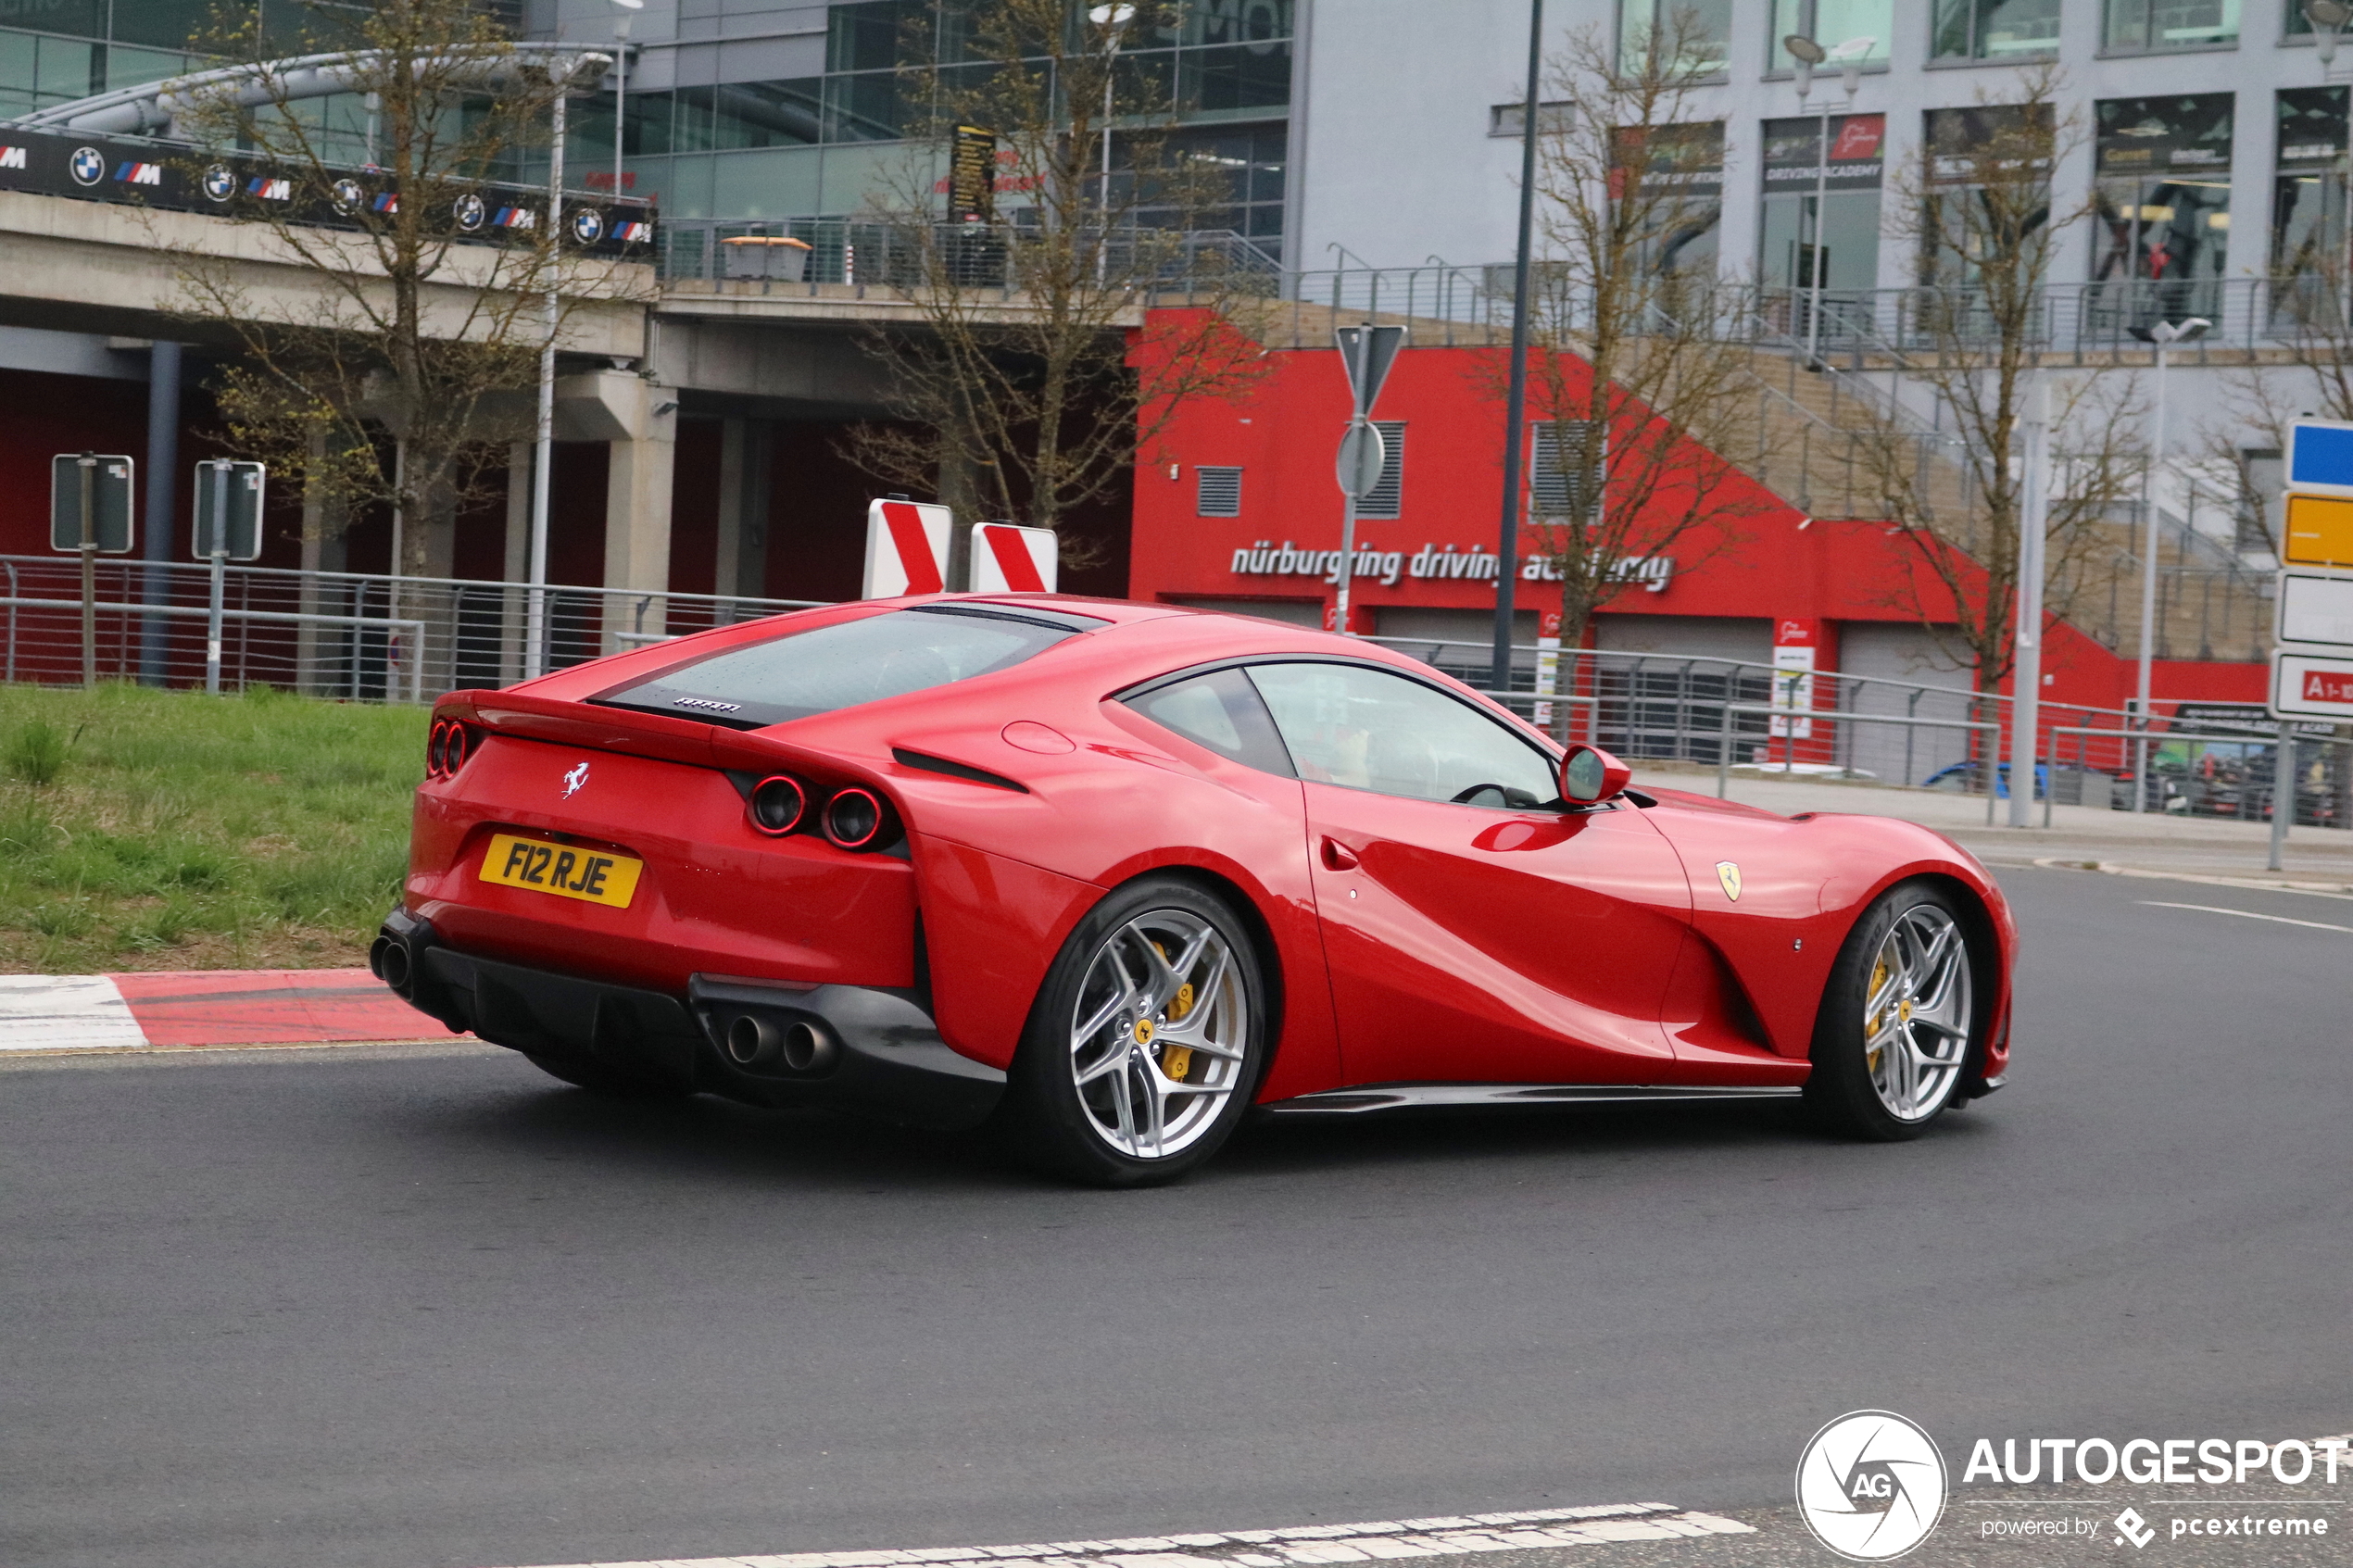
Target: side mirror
[{"x": 1589, "y": 774}]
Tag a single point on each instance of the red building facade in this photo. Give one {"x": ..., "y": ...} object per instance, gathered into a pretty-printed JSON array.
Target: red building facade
[{"x": 1775, "y": 587}]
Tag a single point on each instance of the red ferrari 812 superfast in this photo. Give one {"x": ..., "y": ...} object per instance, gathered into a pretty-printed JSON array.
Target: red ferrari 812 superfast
[{"x": 1106, "y": 876}]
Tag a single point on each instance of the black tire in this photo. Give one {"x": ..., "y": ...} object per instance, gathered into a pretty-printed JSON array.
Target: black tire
[
  {"x": 1045, "y": 1119},
  {"x": 608, "y": 1082},
  {"x": 1857, "y": 1091}
]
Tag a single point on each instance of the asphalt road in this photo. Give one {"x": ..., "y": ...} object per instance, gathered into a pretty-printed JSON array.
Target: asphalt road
[{"x": 428, "y": 1309}]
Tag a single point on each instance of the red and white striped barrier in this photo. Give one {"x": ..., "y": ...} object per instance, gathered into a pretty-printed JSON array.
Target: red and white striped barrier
[
  {"x": 906, "y": 550},
  {"x": 907, "y": 544},
  {"x": 1007, "y": 559},
  {"x": 197, "y": 1008}
]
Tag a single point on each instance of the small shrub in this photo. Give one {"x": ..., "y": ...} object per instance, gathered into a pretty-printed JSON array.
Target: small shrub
[
  {"x": 59, "y": 919},
  {"x": 36, "y": 753}
]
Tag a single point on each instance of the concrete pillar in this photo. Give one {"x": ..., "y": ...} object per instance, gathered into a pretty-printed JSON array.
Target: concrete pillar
[
  {"x": 638, "y": 535},
  {"x": 728, "y": 553},
  {"x": 639, "y": 420},
  {"x": 742, "y": 564}
]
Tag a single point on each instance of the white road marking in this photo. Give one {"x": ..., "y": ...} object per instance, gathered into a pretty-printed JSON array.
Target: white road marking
[
  {"x": 1305, "y": 1546},
  {"x": 2245, "y": 914},
  {"x": 2338, "y": 891},
  {"x": 65, "y": 1012}
]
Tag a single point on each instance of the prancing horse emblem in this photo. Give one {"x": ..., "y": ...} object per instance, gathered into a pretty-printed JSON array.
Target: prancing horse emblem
[
  {"x": 578, "y": 776},
  {"x": 1730, "y": 875}
]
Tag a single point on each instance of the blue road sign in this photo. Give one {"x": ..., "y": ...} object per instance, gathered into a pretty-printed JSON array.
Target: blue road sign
[{"x": 2319, "y": 456}]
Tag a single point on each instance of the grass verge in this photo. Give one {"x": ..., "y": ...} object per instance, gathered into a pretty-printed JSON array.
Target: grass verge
[{"x": 144, "y": 828}]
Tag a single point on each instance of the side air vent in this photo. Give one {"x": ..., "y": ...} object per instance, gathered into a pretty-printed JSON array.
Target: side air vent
[{"x": 930, "y": 764}]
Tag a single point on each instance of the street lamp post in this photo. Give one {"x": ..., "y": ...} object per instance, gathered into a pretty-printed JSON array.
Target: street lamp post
[
  {"x": 1114, "y": 20},
  {"x": 1807, "y": 53},
  {"x": 535, "y": 636},
  {"x": 1515, "y": 393},
  {"x": 629, "y": 8},
  {"x": 2165, "y": 335},
  {"x": 2026, "y": 667}
]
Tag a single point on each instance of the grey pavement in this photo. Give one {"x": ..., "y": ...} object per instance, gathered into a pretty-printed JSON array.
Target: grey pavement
[
  {"x": 2316, "y": 858},
  {"x": 423, "y": 1308}
]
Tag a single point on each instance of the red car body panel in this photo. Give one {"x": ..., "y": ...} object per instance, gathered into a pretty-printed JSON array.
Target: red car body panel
[{"x": 1407, "y": 939}]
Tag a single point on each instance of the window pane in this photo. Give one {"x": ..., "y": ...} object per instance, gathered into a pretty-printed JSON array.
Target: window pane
[
  {"x": 1240, "y": 76},
  {"x": 1694, "y": 36},
  {"x": 1237, "y": 21},
  {"x": 1222, "y": 712},
  {"x": 167, "y": 24},
  {"x": 1345, "y": 724},
  {"x": 1836, "y": 22},
  {"x": 81, "y": 19},
  {"x": 66, "y": 69},
  {"x": 869, "y": 36},
  {"x": 767, "y": 114},
  {"x": 841, "y": 666},
  {"x": 2307, "y": 202},
  {"x": 1980, "y": 30},
  {"x": 863, "y": 108},
  {"x": 2171, "y": 24}
]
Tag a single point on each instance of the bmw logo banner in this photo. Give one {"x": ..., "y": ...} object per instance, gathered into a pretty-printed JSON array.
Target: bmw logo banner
[{"x": 130, "y": 169}]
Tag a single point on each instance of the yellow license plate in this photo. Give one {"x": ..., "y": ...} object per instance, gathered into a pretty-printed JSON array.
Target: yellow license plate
[{"x": 590, "y": 875}]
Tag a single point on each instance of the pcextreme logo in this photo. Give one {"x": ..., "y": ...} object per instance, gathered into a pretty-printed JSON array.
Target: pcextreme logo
[{"x": 1871, "y": 1486}]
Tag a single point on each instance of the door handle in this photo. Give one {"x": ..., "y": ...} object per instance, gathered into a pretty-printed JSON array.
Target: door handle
[{"x": 1339, "y": 857}]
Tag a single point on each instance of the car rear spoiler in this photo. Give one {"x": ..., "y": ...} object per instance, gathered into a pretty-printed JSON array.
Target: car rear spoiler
[{"x": 621, "y": 730}]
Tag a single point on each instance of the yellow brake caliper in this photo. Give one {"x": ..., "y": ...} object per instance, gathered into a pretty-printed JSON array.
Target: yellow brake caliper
[
  {"x": 1870, "y": 1023},
  {"x": 1176, "y": 1060}
]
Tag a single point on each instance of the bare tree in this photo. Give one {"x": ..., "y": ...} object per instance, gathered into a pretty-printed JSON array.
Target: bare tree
[
  {"x": 1976, "y": 211},
  {"x": 396, "y": 378},
  {"x": 1036, "y": 371},
  {"x": 1636, "y": 388}
]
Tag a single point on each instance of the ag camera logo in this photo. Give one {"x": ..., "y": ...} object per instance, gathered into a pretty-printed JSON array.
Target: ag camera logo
[{"x": 1871, "y": 1486}]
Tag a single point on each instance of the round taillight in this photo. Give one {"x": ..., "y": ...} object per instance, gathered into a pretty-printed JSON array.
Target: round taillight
[
  {"x": 777, "y": 805},
  {"x": 857, "y": 819},
  {"x": 453, "y": 750},
  {"x": 438, "y": 752}
]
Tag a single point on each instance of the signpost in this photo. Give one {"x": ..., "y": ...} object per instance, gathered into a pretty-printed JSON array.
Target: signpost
[
  {"x": 90, "y": 512},
  {"x": 1367, "y": 352},
  {"x": 2312, "y": 605},
  {"x": 228, "y": 517}
]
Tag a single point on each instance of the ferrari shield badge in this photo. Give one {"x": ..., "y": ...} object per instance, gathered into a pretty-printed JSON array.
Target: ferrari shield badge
[{"x": 1730, "y": 875}]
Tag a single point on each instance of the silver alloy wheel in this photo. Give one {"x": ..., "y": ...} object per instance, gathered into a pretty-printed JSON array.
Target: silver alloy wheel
[
  {"x": 1916, "y": 1017},
  {"x": 1159, "y": 1034}
]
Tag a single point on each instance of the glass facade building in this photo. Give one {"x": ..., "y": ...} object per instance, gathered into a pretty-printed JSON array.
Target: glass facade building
[
  {"x": 836, "y": 129},
  {"x": 55, "y": 51}
]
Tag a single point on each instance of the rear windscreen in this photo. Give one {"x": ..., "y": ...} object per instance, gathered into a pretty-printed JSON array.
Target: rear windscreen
[{"x": 846, "y": 663}]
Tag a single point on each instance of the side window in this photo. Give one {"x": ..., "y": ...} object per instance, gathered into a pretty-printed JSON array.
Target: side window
[
  {"x": 1221, "y": 711},
  {"x": 1367, "y": 729}
]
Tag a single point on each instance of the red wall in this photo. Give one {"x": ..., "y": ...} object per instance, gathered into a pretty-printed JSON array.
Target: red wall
[{"x": 1772, "y": 563}]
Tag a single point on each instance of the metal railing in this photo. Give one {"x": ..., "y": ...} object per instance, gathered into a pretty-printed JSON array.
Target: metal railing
[
  {"x": 2087, "y": 323},
  {"x": 1988, "y": 727},
  {"x": 371, "y": 638},
  {"x": 1726, "y": 714},
  {"x": 889, "y": 254},
  {"x": 327, "y": 634}
]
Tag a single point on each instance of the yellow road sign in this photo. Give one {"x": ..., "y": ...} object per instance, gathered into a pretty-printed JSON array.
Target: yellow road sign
[{"x": 2319, "y": 531}]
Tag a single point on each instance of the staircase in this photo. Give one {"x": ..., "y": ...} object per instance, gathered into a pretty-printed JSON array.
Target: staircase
[{"x": 1821, "y": 440}]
